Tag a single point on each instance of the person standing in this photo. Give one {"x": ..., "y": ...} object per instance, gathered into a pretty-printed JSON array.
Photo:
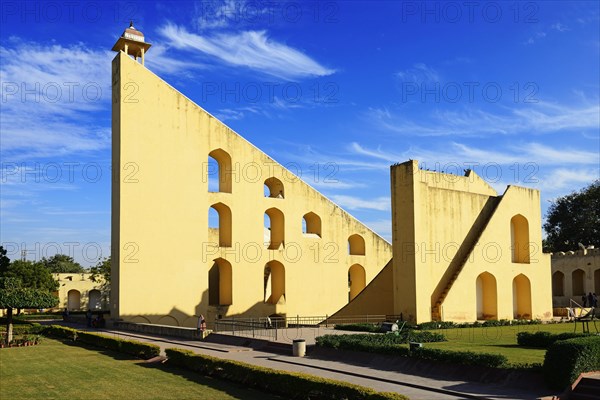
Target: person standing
[
  {"x": 201, "y": 324},
  {"x": 590, "y": 299},
  {"x": 88, "y": 317}
]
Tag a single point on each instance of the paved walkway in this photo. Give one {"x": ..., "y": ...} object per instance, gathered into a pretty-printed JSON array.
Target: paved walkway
[{"x": 378, "y": 377}]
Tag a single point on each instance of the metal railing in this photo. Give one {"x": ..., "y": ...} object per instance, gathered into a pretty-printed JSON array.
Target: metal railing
[{"x": 288, "y": 328}]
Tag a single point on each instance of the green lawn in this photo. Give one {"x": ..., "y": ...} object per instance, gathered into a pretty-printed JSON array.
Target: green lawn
[
  {"x": 56, "y": 370},
  {"x": 499, "y": 340}
]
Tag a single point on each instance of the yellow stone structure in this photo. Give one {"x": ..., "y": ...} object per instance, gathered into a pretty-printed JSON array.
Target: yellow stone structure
[
  {"x": 461, "y": 252},
  {"x": 278, "y": 246},
  {"x": 465, "y": 252},
  {"x": 575, "y": 274},
  {"x": 260, "y": 242},
  {"x": 78, "y": 292}
]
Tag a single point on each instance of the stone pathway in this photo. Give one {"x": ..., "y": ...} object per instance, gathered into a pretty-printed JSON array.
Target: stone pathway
[{"x": 378, "y": 377}]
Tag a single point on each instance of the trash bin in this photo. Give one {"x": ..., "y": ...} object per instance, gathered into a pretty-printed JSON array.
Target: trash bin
[
  {"x": 299, "y": 348},
  {"x": 414, "y": 345}
]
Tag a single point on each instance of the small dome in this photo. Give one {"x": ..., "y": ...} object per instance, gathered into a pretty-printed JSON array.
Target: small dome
[{"x": 133, "y": 34}]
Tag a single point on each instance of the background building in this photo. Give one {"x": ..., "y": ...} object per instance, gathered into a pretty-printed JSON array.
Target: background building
[
  {"x": 78, "y": 292},
  {"x": 575, "y": 274}
]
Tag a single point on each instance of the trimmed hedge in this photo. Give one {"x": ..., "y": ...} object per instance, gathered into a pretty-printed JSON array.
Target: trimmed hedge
[
  {"x": 543, "y": 340},
  {"x": 461, "y": 357},
  {"x": 138, "y": 349},
  {"x": 291, "y": 385},
  {"x": 566, "y": 359},
  {"x": 24, "y": 328},
  {"x": 384, "y": 344},
  {"x": 25, "y": 317},
  {"x": 492, "y": 322},
  {"x": 374, "y": 328},
  {"x": 374, "y": 342}
]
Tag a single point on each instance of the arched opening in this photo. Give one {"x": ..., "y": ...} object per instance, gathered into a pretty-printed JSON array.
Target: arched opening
[
  {"x": 219, "y": 224},
  {"x": 274, "y": 188},
  {"x": 558, "y": 284},
  {"x": 274, "y": 231},
  {"x": 73, "y": 299},
  {"x": 274, "y": 283},
  {"x": 95, "y": 301},
  {"x": 168, "y": 320},
  {"x": 487, "y": 298},
  {"x": 597, "y": 281},
  {"x": 219, "y": 171},
  {"x": 220, "y": 283},
  {"x": 356, "y": 245},
  {"x": 578, "y": 279},
  {"x": 519, "y": 234},
  {"x": 521, "y": 297},
  {"x": 311, "y": 224},
  {"x": 357, "y": 280}
]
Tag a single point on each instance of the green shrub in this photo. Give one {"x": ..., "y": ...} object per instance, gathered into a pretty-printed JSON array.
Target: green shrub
[
  {"x": 138, "y": 349},
  {"x": 62, "y": 332},
  {"x": 373, "y": 343},
  {"x": 492, "y": 322},
  {"x": 392, "y": 344},
  {"x": 440, "y": 325},
  {"x": 358, "y": 327},
  {"x": 25, "y": 317},
  {"x": 386, "y": 344},
  {"x": 543, "y": 340},
  {"x": 461, "y": 357},
  {"x": 24, "y": 328},
  {"x": 291, "y": 385},
  {"x": 566, "y": 359},
  {"x": 15, "y": 321}
]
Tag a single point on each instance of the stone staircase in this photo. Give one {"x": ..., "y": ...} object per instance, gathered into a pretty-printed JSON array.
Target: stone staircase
[
  {"x": 462, "y": 255},
  {"x": 588, "y": 388}
]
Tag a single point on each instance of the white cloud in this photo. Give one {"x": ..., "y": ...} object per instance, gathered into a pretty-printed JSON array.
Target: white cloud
[
  {"x": 221, "y": 14},
  {"x": 356, "y": 203},
  {"x": 251, "y": 49},
  {"x": 535, "y": 37},
  {"x": 379, "y": 154},
  {"x": 562, "y": 180},
  {"x": 419, "y": 73},
  {"x": 334, "y": 184},
  {"x": 539, "y": 118},
  {"x": 54, "y": 79},
  {"x": 532, "y": 152},
  {"x": 47, "y": 94},
  {"x": 161, "y": 62},
  {"x": 463, "y": 154},
  {"x": 383, "y": 227},
  {"x": 559, "y": 27}
]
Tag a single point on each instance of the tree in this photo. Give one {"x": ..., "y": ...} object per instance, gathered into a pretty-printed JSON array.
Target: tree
[
  {"x": 574, "y": 219},
  {"x": 4, "y": 260},
  {"x": 62, "y": 263},
  {"x": 14, "y": 295},
  {"x": 101, "y": 272},
  {"x": 31, "y": 274}
]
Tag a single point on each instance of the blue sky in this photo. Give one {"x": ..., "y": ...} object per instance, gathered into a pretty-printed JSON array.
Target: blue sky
[{"x": 336, "y": 90}]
